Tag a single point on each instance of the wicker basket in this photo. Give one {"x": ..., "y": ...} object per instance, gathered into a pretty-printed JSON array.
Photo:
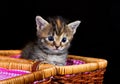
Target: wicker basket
[
  {"x": 35, "y": 75},
  {"x": 92, "y": 72}
]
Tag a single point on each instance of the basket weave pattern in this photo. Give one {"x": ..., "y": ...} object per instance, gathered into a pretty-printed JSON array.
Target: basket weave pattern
[
  {"x": 90, "y": 73},
  {"x": 35, "y": 75},
  {"x": 94, "y": 77}
]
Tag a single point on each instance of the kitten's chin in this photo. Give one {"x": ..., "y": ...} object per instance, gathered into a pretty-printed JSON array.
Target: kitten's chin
[{"x": 56, "y": 51}]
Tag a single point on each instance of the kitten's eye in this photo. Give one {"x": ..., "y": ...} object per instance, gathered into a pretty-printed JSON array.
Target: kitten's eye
[
  {"x": 50, "y": 38},
  {"x": 64, "y": 39}
]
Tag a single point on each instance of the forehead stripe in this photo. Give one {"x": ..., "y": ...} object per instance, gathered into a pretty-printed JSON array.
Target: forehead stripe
[{"x": 59, "y": 24}]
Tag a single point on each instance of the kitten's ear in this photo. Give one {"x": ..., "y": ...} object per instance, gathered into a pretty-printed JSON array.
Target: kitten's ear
[
  {"x": 41, "y": 23},
  {"x": 74, "y": 25}
]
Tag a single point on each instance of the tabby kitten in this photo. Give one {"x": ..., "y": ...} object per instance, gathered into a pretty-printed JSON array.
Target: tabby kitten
[{"x": 53, "y": 41}]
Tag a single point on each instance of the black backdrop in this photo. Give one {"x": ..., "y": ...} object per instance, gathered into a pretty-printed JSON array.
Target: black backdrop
[{"x": 97, "y": 35}]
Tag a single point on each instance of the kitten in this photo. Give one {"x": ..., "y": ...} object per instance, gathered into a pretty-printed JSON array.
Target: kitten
[{"x": 53, "y": 41}]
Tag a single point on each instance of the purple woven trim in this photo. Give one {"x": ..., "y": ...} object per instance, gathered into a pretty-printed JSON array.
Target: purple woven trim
[
  {"x": 15, "y": 56},
  {"x": 74, "y": 62},
  {"x": 6, "y": 73}
]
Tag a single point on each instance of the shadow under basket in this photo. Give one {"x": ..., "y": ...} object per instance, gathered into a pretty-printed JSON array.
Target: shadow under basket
[{"x": 91, "y": 72}]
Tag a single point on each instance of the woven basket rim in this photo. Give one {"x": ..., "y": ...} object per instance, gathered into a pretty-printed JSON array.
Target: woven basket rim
[
  {"x": 9, "y": 51},
  {"x": 92, "y": 63},
  {"x": 30, "y": 77}
]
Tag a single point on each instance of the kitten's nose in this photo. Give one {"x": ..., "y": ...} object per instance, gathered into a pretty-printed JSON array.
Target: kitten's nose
[{"x": 57, "y": 47}]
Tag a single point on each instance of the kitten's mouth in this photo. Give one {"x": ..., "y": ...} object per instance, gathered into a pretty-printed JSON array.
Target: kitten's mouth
[{"x": 56, "y": 49}]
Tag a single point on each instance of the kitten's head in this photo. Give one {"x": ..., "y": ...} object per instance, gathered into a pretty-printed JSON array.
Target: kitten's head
[{"x": 55, "y": 35}]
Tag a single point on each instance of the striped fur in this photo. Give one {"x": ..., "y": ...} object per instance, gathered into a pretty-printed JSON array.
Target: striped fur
[{"x": 45, "y": 50}]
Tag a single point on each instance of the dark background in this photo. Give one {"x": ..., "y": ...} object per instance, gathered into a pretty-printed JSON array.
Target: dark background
[{"x": 97, "y": 35}]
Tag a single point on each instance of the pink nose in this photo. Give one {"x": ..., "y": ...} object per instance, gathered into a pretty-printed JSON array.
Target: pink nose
[{"x": 57, "y": 47}]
